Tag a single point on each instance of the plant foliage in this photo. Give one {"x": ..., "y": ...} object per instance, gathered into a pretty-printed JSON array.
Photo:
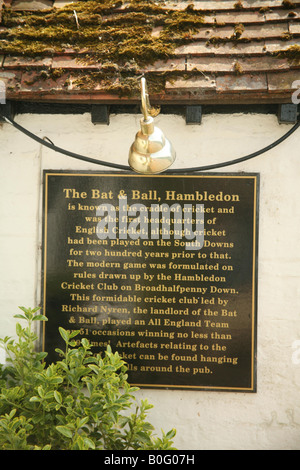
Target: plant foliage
[{"x": 81, "y": 402}]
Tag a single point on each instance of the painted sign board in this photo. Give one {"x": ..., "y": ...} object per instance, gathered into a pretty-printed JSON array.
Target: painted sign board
[{"x": 163, "y": 268}]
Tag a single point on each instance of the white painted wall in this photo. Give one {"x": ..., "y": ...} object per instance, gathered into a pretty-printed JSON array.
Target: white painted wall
[{"x": 269, "y": 419}]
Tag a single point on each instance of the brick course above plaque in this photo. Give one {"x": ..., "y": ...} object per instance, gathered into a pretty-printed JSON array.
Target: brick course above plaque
[{"x": 205, "y": 52}]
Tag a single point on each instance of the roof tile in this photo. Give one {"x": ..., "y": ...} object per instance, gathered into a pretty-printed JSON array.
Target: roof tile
[
  {"x": 236, "y": 17},
  {"x": 69, "y": 62},
  {"x": 19, "y": 62},
  {"x": 283, "y": 81},
  {"x": 205, "y": 52},
  {"x": 170, "y": 65},
  {"x": 201, "y": 49},
  {"x": 295, "y": 28},
  {"x": 61, "y": 3},
  {"x": 274, "y": 45},
  {"x": 265, "y": 31},
  {"x": 281, "y": 15},
  {"x": 194, "y": 85},
  {"x": 245, "y": 83},
  {"x": 31, "y": 5}
]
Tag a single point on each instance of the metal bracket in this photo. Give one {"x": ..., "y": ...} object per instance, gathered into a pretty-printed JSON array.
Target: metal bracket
[
  {"x": 193, "y": 114},
  {"x": 100, "y": 114},
  {"x": 146, "y": 108},
  {"x": 7, "y": 110},
  {"x": 287, "y": 114}
]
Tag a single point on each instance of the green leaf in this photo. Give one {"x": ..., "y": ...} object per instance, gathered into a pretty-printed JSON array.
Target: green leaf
[
  {"x": 64, "y": 334},
  {"x": 94, "y": 368},
  {"x": 55, "y": 380},
  {"x": 89, "y": 387},
  {"x": 123, "y": 420},
  {"x": 146, "y": 405},
  {"x": 20, "y": 316},
  {"x": 18, "y": 329},
  {"x": 74, "y": 333},
  {"x": 59, "y": 351},
  {"x": 83, "y": 421},
  {"x": 65, "y": 431},
  {"x": 12, "y": 413},
  {"x": 40, "y": 356},
  {"x": 143, "y": 437},
  {"x": 35, "y": 309},
  {"x": 85, "y": 343},
  {"x": 40, "y": 318},
  {"x": 58, "y": 397},
  {"x": 171, "y": 434},
  {"x": 148, "y": 427},
  {"x": 27, "y": 312},
  {"x": 89, "y": 443},
  {"x": 34, "y": 398}
]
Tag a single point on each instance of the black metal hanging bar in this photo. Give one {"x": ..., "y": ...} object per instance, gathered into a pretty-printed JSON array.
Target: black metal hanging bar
[
  {"x": 127, "y": 168},
  {"x": 63, "y": 151},
  {"x": 241, "y": 159}
]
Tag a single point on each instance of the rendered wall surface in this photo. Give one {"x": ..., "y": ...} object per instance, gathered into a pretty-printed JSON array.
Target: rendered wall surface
[{"x": 268, "y": 419}]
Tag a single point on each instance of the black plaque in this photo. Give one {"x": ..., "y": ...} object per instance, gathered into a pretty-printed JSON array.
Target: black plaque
[{"x": 163, "y": 268}]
